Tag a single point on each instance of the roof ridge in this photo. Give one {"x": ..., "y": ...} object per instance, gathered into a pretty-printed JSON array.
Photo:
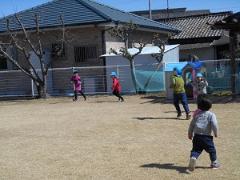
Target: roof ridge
[
  {"x": 101, "y": 4},
  {"x": 197, "y": 15},
  {"x": 125, "y": 12},
  {"x": 84, "y": 3}
]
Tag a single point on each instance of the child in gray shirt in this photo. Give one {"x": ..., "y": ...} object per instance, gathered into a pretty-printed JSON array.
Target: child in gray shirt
[
  {"x": 200, "y": 85},
  {"x": 202, "y": 125}
]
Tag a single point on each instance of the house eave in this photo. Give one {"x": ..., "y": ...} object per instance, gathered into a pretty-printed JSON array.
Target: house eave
[
  {"x": 194, "y": 40},
  {"x": 143, "y": 28},
  {"x": 52, "y": 28}
]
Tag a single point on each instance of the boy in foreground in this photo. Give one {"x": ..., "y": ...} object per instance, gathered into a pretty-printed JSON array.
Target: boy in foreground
[{"x": 202, "y": 125}]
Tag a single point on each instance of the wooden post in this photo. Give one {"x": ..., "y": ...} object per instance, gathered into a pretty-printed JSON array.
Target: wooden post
[{"x": 233, "y": 45}]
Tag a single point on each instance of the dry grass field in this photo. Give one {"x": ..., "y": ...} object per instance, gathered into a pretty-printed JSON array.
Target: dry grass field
[{"x": 102, "y": 139}]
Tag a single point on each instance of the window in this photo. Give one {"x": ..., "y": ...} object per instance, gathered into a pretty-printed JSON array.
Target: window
[
  {"x": 82, "y": 54},
  {"x": 57, "y": 50},
  {"x": 3, "y": 63}
]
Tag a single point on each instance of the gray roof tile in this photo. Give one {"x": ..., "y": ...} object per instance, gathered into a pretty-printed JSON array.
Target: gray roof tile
[{"x": 197, "y": 26}]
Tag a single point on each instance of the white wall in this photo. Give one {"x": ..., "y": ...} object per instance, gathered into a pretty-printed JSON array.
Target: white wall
[{"x": 171, "y": 55}]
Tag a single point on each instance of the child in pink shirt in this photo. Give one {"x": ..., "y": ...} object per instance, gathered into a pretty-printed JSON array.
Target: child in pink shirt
[{"x": 77, "y": 86}]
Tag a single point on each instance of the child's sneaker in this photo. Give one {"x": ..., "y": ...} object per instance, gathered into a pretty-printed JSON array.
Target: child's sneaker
[
  {"x": 192, "y": 164},
  {"x": 179, "y": 115},
  {"x": 188, "y": 116},
  {"x": 215, "y": 165}
]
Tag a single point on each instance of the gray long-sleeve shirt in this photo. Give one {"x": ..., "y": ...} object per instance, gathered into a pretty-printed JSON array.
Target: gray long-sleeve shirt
[{"x": 203, "y": 123}]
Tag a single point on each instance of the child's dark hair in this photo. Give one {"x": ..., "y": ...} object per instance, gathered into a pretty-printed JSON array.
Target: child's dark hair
[{"x": 204, "y": 103}]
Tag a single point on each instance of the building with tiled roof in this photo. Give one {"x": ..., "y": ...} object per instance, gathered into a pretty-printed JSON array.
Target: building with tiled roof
[
  {"x": 80, "y": 12},
  {"x": 87, "y": 23},
  {"x": 196, "y": 28},
  {"x": 197, "y": 38},
  {"x": 87, "y": 37}
]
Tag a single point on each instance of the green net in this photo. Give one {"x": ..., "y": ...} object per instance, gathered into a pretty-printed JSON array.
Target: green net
[
  {"x": 218, "y": 75},
  {"x": 150, "y": 81}
]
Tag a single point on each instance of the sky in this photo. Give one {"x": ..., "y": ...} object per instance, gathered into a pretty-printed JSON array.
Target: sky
[{"x": 12, "y": 6}]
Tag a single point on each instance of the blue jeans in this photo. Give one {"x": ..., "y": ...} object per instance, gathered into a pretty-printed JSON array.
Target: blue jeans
[
  {"x": 203, "y": 142},
  {"x": 183, "y": 98}
]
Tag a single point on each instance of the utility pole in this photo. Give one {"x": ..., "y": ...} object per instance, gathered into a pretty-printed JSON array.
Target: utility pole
[
  {"x": 167, "y": 10},
  {"x": 150, "y": 10}
]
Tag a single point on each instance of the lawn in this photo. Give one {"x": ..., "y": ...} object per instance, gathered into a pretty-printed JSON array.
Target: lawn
[{"x": 102, "y": 139}]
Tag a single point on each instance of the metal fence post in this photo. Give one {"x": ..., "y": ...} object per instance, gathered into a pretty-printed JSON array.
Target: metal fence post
[
  {"x": 164, "y": 76},
  {"x": 32, "y": 84},
  {"x": 118, "y": 71}
]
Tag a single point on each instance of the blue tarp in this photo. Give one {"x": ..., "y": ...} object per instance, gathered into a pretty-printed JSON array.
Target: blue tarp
[
  {"x": 181, "y": 65},
  {"x": 195, "y": 65}
]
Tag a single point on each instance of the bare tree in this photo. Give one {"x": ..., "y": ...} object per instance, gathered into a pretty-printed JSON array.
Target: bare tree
[
  {"x": 22, "y": 41},
  {"x": 157, "y": 41},
  {"x": 130, "y": 57},
  {"x": 124, "y": 32}
]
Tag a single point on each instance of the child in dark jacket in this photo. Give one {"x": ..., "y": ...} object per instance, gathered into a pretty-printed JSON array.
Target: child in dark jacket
[{"x": 116, "y": 87}]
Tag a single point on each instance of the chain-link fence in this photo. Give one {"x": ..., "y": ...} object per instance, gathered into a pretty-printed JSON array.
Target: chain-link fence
[
  {"x": 218, "y": 74},
  {"x": 15, "y": 83},
  {"x": 97, "y": 80}
]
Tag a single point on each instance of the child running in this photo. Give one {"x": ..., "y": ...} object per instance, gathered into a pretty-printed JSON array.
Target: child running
[
  {"x": 116, "y": 87},
  {"x": 77, "y": 86},
  {"x": 200, "y": 129},
  {"x": 179, "y": 93}
]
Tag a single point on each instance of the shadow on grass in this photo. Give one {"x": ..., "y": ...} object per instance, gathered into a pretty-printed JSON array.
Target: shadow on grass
[
  {"x": 152, "y": 118},
  {"x": 110, "y": 101},
  {"x": 155, "y": 99},
  {"x": 172, "y": 166},
  {"x": 167, "y": 166},
  {"x": 169, "y": 112},
  {"x": 215, "y": 99},
  {"x": 159, "y": 118}
]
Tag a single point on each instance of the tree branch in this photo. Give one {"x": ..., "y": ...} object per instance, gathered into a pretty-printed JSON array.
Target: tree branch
[
  {"x": 26, "y": 35},
  {"x": 40, "y": 54},
  {"x": 16, "y": 63},
  {"x": 38, "y": 36},
  {"x": 23, "y": 50}
]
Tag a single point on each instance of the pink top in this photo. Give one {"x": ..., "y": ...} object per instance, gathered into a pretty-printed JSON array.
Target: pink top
[
  {"x": 76, "y": 82},
  {"x": 196, "y": 112}
]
